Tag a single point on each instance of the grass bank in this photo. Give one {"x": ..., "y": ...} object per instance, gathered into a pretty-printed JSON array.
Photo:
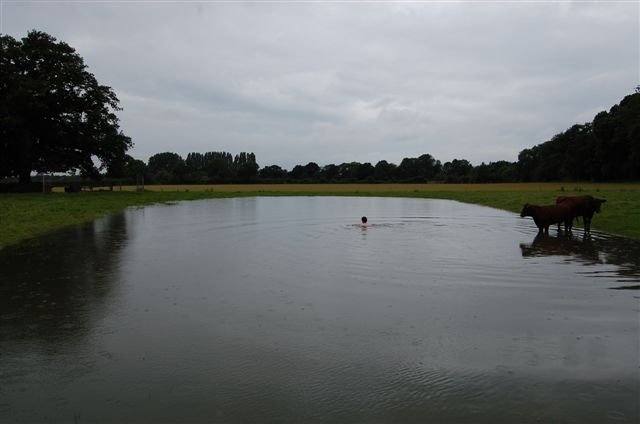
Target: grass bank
[{"x": 23, "y": 216}]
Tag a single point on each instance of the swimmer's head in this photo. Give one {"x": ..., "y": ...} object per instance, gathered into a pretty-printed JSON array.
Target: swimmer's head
[{"x": 364, "y": 219}]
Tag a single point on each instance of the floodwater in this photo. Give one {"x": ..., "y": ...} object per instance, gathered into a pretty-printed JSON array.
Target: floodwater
[{"x": 286, "y": 310}]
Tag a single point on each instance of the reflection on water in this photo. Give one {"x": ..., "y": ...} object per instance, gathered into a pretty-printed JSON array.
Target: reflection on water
[
  {"x": 61, "y": 282},
  {"x": 286, "y": 310},
  {"x": 592, "y": 249}
]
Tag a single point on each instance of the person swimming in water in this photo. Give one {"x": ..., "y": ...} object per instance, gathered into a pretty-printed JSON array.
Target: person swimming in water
[{"x": 364, "y": 222}]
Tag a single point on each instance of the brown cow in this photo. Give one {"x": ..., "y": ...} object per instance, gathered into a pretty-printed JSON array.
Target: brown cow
[
  {"x": 544, "y": 216},
  {"x": 584, "y": 206}
]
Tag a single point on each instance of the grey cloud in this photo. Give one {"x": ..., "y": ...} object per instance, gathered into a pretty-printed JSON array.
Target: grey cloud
[{"x": 337, "y": 82}]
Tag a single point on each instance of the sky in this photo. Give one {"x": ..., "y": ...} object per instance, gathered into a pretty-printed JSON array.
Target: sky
[{"x": 342, "y": 81}]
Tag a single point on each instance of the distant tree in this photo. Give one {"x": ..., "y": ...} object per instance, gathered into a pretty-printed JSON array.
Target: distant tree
[
  {"x": 273, "y": 173},
  {"x": 195, "y": 170},
  {"x": 348, "y": 171},
  {"x": 246, "y": 167},
  {"x": 528, "y": 160},
  {"x": 365, "y": 172},
  {"x": 308, "y": 172},
  {"x": 384, "y": 171},
  {"x": 430, "y": 166},
  {"x": 329, "y": 173},
  {"x": 219, "y": 167},
  {"x": 167, "y": 167},
  {"x": 54, "y": 116},
  {"x": 128, "y": 168},
  {"x": 495, "y": 172},
  {"x": 457, "y": 171},
  {"x": 420, "y": 169},
  {"x": 116, "y": 167},
  {"x": 297, "y": 173},
  {"x": 134, "y": 168},
  {"x": 580, "y": 162},
  {"x": 409, "y": 170},
  {"x": 617, "y": 139},
  {"x": 195, "y": 161}
]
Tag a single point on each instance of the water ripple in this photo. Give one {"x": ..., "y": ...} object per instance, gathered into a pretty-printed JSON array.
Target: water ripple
[{"x": 286, "y": 310}]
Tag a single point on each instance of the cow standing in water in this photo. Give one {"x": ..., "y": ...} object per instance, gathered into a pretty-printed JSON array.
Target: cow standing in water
[
  {"x": 544, "y": 216},
  {"x": 584, "y": 206}
]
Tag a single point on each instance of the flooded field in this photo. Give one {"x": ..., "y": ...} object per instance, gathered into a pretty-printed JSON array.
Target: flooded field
[{"x": 286, "y": 310}]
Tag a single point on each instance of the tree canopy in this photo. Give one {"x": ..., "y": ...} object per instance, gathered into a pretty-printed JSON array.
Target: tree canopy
[
  {"x": 605, "y": 149},
  {"x": 54, "y": 115}
]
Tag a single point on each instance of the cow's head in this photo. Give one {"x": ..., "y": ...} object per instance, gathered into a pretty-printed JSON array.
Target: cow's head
[{"x": 597, "y": 203}]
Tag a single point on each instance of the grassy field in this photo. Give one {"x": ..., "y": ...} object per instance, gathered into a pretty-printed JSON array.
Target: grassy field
[{"x": 23, "y": 216}]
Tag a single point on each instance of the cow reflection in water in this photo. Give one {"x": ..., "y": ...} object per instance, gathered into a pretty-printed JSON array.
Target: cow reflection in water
[
  {"x": 580, "y": 248},
  {"x": 621, "y": 252}
]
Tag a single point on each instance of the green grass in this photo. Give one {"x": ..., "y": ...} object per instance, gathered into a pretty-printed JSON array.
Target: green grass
[{"x": 24, "y": 216}]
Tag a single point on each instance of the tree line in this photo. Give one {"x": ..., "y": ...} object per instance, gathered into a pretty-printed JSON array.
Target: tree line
[
  {"x": 223, "y": 167},
  {"x": 55, "y": 117},
  {"x": 210, "y": 167},
  {"x": 606, "y": 149}
]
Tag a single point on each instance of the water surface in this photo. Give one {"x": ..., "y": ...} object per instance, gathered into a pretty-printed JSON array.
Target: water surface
[{"x": 286, "y": 310}]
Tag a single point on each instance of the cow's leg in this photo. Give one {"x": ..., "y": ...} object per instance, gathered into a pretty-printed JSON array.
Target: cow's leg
[{"x": 587, "y": 224}]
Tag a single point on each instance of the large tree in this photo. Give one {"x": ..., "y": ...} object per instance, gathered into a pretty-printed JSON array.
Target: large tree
[{"x": 54, "y": 116}]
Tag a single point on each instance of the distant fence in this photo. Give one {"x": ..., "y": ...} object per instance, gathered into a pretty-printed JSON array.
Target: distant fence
[
  {"x": 75, "y": 187},
  {"x": 33, "y": 187},
  {"x": 71, "y": 186}
]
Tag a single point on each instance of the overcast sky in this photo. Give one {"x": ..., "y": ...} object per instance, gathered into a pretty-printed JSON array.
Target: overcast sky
[{"x": 339, "y": 81}]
